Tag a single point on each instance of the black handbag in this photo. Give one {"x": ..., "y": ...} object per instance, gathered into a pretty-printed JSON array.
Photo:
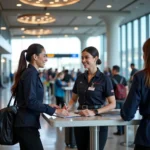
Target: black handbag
[{"x": 7, "y": 119}]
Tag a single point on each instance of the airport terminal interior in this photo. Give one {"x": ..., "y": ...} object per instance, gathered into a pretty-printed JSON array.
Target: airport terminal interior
[{"x": 117, "y": 28}]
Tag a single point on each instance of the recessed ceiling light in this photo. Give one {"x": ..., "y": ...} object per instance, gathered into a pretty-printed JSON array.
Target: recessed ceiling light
[
  {"x": 22, "y": 29},
  {"x": 65, "y": 35},
  {"x": 108, "y": 6},
  {"x": 47, "y": 14},
  {"x": 19, "y": 5},
  {"x": 89, "y": 17},
  {"x": 3, "y": 28},
  {"x": 75, "y": 28},
  {"x": 3, "y": 60},
  {"x": 51, "y": 2}
]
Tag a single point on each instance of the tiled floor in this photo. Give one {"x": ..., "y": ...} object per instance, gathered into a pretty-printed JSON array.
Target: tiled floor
[{"x": 53, "y": 139}]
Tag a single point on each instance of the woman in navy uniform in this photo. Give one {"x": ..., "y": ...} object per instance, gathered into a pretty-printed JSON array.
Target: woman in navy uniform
[
  {"x": 28, "y": 91},
  {"x": 139, "y": 96},
  {"x": 91, "y": 90}
]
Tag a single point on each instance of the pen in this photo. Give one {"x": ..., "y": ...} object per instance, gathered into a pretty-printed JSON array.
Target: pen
[{"x": 66, "y": 107}]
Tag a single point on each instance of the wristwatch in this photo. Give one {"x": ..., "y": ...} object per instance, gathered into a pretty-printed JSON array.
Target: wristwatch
[{"x": 95, "y": 111}]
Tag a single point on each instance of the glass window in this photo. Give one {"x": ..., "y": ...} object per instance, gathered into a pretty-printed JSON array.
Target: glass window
[
  {"x": 96, "y": 42},
  {"x": 136, "y": 42},
  {"x": 143, "y": 38},
  {"x": 52, "y": 46},
  {"x": 123, "y": 49},
  {"x": 103, "y": 53},
  {"x": 149, "y": 25},
  {"x": 129, "y": 46}
]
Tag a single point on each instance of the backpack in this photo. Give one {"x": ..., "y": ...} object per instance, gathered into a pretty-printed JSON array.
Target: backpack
[{"x": 120, "y": 90}]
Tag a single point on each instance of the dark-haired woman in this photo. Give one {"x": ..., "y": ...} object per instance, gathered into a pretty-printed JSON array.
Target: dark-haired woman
[
  {"x": 28, "y": 91},
  {"x": 139, "y": 96},
  {"x": 91, "y": 90}
]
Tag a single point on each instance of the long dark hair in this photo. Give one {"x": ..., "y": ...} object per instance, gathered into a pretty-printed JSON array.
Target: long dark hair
[
  {"x": 94, "y": 52},
  {"x": 146, "y": 51},
  {"x": 32, "y": 49}
]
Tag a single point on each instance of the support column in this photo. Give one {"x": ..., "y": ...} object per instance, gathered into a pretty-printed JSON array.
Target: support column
[
  {"x": 83, "y": 40},
  {"x": 113, "y": 44}
]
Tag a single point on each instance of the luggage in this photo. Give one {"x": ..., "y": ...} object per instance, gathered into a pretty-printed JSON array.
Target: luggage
[{"x": 70, "y": 137}]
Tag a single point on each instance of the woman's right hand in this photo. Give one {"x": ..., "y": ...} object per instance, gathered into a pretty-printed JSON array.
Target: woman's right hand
[{"x": 62, "y": 112}]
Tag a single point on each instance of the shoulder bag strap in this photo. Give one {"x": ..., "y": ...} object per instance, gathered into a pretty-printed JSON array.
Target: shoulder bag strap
[
  {"x": 115, "y": 81},
  {"x": 121, "y": 81}
]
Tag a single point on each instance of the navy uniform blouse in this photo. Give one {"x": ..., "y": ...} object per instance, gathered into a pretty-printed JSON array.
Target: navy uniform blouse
[
  {"x": 29, "y": 98},
  {"x": 101, "y": 84},
  {"x": 139, "y": 96}
]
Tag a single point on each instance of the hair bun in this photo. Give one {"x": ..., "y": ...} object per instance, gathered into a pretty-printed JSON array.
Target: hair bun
[{"x": 98, "y": 62}]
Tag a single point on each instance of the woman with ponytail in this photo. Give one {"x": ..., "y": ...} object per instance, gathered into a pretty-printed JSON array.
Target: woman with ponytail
[
  {"x": 28, "y": 91},
  {"x": 139, "y": 97},
  {"x": 91, "y": 89}
]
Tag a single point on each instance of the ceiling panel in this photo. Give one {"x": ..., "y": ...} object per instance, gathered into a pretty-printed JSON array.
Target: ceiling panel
[
  {"x": 116, "y": 4},
  {"x": 73, "y": 15},
  {"x": 85, "y": 21},
  {"x": 137, "y": 6},
  {"x": 72, "y": 31}
]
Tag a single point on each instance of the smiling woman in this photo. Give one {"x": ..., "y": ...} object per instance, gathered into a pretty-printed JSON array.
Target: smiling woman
[{"x": 28, "y": 92}]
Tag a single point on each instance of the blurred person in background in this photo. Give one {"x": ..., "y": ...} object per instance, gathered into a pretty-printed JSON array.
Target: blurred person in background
[{"x": 59, "y": 92}]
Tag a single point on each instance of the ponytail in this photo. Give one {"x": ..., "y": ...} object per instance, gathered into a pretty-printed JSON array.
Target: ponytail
[{"x": 21, "y": 67}]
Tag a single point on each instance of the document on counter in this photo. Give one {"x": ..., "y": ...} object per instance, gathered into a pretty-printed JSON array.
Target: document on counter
[
  {"x": 71, "y": 115},
  {"x": 110, "y": 113}
]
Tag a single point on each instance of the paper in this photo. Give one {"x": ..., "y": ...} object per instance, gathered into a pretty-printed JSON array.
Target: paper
[{"x": 71, "y": 115}]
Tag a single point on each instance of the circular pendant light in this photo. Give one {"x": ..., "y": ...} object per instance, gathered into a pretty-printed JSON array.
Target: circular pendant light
[
  {"x": 49, "y": 3},
  {"x": 35, "y": 19},
  {"x": 37, "y": 31}
]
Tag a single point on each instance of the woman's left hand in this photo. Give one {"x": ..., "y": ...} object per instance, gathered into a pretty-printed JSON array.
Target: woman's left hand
[
  {"x": 54, "y": 106},
  {"x": 87, "y": 112}
]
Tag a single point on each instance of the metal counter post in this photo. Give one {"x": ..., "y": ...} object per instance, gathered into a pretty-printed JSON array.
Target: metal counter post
[{"x": 94, "y": 138}]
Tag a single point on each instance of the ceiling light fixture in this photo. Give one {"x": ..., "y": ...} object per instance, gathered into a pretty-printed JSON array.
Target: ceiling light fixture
[
  {"x": 65, "y": 35},
  {"x": 51, "y": 3},
  {"x": 36, "y": 18},
  {"x": 18, "y": 5},
  {"x": 75, "y": 28},
  {"x": 23, "y": 36},
  {"x": 108, "y": 6},
  {"x": 22, "y": 29},
  {"x": 37, "y": 31},
  {"x": 3, "y": 28},
  {"x": 89, "y": 17}
]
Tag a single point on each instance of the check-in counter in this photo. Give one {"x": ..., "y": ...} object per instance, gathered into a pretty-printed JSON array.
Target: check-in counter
[{"x": 111, "y": 118}]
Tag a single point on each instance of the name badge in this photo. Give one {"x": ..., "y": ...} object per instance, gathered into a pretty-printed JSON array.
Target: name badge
[{"x": 91, "y": 88}]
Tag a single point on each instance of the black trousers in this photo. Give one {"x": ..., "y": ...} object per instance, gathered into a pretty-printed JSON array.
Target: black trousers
[
  {"x": 60, "y": 101},
  {"x": 29, "y": 138},
  {"x": 120, "y": 129},
  {"x": 82, "y": 136},
  {"x": 139, "y": 147}
]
